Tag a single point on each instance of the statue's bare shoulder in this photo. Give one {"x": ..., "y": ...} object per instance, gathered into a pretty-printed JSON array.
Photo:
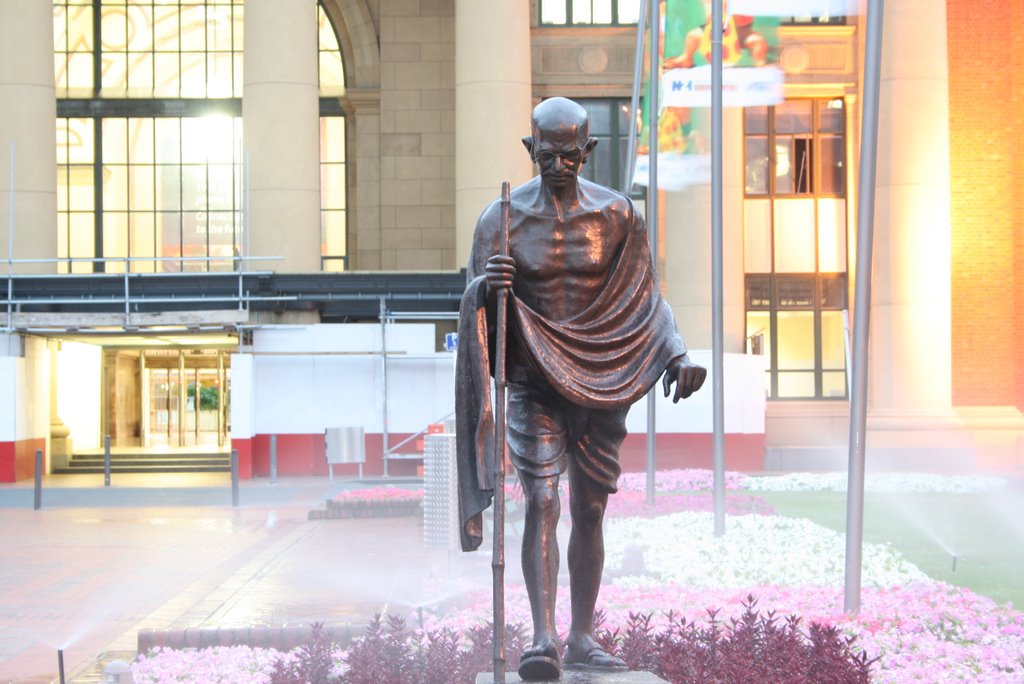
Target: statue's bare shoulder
[{"x": 615, "y": 205}]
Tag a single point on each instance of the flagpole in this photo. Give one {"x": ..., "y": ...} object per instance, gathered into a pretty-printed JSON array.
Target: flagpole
[
  {"x": 717, "y": 326},
  {"x": 634, "y": 102},
  {"x": 654, "y": 86},
  {"x": 862, "y": 302}
]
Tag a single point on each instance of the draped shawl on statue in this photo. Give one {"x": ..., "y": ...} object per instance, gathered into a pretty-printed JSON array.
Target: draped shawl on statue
[{"x": 607, "y": 357}]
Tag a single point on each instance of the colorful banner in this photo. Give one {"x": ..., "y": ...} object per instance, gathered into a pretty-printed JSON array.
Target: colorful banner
[
  {"x": 750, "y": 76},
  {"x": 740, "y": 87}
]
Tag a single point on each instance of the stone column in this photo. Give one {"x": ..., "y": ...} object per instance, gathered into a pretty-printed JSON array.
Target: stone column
[
  {"x": 910, "y": 351},
  {"x": 492, "y": 107},
  {"x": 363, "y": 140},
  {"x": 280, "y": 108},
  {"x": 28, "y": 114},
  {"x": 60, "y": 440},
  {"x": 911, "y": 424},
  {"x": 687, "y": 272}
]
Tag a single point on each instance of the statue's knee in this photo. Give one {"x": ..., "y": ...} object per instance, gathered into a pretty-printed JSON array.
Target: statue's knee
[
  {"x": 589, "y": 515},
  {"x": 544, "y": 499}
]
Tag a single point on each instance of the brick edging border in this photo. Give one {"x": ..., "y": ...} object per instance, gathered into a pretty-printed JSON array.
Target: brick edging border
[{"x": 281, "y": 638}]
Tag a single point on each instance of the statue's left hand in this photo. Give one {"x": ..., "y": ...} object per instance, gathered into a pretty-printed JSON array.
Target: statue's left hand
[{"x": 687, "y": 376}]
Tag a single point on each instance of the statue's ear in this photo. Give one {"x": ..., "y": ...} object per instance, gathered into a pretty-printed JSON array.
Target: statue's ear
[
  {"x": 589, "y": 147},
  {"x": 528, "y": 144}
]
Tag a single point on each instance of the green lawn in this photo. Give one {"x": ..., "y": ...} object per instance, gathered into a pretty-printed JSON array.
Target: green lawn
[{"x": 985, "y": 531}]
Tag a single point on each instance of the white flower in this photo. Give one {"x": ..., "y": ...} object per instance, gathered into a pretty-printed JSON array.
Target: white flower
[
  {"x": 755, "y": 550},
  {"x": 877, "y": 482}
]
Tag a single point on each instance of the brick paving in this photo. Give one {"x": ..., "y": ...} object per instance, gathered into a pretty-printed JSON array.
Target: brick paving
[{"x": 95, "y": 566}]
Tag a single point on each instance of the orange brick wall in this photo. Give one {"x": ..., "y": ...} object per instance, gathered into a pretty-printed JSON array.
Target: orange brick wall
[
  {"x": 986, "y": 42},
  {"x": 1017, "y": 105}
]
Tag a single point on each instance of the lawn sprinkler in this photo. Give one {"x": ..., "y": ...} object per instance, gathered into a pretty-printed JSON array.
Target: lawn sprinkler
[
  {"x": 118, "y": 672},
  {"x": 60, "y": 665},
  {"x": 954, "y": 562}
]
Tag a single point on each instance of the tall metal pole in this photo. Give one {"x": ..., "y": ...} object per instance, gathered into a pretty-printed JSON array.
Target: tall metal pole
[
  {"x": 248, "y": 210},
  {"x": 717, "y": 329},
  {"x": 653, "y": 88},
  {"x": 634, "y": 102},
  {"x": 10, "y": 214},
  {"x": 385, "y": 447},
  {"x": 10, "y": 241},
  {"x": 498, "y": 546},
  {"x": 862, "y": 302}
]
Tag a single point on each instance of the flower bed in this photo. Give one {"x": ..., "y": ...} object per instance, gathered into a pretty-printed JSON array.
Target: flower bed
[
  {"x": 918, "y": 629},
  {"x": 377, "y": 502}
]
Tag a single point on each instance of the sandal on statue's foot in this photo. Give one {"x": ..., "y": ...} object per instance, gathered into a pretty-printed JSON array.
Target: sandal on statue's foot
[
  {"x": 596, "y": 659},
  {"x": 540, "y": 663}
]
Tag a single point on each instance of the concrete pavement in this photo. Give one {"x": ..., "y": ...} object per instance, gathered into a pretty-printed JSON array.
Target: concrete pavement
[{"x": 98, "y": 564}]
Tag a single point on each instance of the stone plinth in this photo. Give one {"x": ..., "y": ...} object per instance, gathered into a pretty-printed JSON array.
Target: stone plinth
[{"x": 582, "y": 677}]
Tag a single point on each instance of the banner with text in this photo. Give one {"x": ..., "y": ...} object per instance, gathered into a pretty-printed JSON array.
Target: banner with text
[{"x": 750, "y": 77}]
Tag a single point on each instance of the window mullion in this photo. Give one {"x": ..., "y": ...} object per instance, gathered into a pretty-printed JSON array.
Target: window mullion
[
  {"x": 613, "y": 142},
  {"x": 773, "y": 336},
  {"x": 819, "y": 366},
  {"x": 97, "y": 48},
  {"x": 771, "y": 154},
  {"x": 97, "y": 183}
]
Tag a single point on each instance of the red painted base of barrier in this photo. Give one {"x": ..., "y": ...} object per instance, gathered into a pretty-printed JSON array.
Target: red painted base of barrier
[
  {"x": 305, "y": 455},
  {"x": 743, "y": 452},
  {"x": 244, "y": 449},
  {"x": 18, "y": 459}
]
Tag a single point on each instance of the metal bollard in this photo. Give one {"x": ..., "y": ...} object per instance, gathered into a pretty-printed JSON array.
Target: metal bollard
[
  {"x": 106, "y": 461},
  {"x": 234, "y": 477},
  {"x": 39, "y": 480},
  {"x": 273, "y": 459}
]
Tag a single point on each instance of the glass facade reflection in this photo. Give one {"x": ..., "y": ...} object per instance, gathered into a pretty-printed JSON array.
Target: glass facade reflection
[{"x": 794, "y": 225}]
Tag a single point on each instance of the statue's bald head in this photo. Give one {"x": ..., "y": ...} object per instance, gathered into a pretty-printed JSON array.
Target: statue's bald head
[
  {"x": 561, "y": 122},
  {"x": 558, "y": 114}
]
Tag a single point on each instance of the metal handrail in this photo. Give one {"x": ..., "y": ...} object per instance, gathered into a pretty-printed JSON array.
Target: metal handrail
[
  {"x": 412, "y": 437},
  {"x": 243, "y": 298}
]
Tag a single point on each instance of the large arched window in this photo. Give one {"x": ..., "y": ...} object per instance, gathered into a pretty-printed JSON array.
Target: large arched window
[
  {"x": 333, "y": 178},
  {"x": 149, "y": 135}
]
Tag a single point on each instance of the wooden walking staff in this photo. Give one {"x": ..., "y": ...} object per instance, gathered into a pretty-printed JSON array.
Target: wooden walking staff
[{"x": 498, "y": 550}]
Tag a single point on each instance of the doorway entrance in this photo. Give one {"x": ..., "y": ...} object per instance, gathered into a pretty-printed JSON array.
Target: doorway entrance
[{"x": 167, "y": 399}]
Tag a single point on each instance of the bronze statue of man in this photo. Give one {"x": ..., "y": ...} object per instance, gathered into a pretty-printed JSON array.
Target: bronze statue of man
[{"x": 589, "y": 334}]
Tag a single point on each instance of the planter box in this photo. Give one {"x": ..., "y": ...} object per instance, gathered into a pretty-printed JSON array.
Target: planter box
[{"x": 368, "y": 509}]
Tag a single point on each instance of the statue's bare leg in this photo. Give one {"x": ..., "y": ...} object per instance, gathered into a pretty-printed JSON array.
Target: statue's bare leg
[
  {"x": 587, "y": 503},
  {"x": 540, "y": 571}
]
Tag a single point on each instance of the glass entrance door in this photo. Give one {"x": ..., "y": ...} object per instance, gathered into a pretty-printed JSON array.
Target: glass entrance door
[
  {"x": 186, "y": 398},
  {"x": 164, "y": 417}
]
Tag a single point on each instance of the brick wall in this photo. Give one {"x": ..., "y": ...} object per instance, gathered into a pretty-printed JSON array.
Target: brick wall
[
  {"x": 417, "y": 134},
  {"x": 986, "y": 141},
  {"x": 1017, "y": 187}
]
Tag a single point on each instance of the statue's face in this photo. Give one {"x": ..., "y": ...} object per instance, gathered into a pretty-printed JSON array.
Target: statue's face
[{"x": 559, "y": 155}]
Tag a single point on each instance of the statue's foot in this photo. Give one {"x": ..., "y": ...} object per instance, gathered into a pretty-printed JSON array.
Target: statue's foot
[
  {"x": 593, "y": 658},
  {"x": 540, "y": 663}
]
